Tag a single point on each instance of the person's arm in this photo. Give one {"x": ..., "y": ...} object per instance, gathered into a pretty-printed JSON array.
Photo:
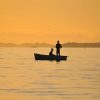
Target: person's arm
[{"x": 56, "y": 46}]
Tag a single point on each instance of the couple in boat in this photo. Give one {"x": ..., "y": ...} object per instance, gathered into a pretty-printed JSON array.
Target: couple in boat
[
  {"x": 51, "y": 56},
  {"x": 58, "y": 47}
]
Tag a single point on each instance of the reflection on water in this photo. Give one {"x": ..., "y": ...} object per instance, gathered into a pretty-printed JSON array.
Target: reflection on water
[{"x": 23, "y": 78}]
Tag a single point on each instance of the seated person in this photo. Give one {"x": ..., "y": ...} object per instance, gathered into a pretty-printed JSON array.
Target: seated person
[{"x": 51, "y": 52}]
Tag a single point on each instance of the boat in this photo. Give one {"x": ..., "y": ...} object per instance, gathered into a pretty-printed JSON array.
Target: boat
[{"x": 47, "y": 57}]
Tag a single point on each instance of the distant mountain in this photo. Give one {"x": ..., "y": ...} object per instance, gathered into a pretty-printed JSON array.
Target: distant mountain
[
  {"x": 69, "y": 45},
  {"x": 26, "y": 45},
  {"x": 85, "y": 45},
  {"x": 36, "y": 45},
  {"x": 43, "y": 45},
  {"x": 7, "y": 45}
]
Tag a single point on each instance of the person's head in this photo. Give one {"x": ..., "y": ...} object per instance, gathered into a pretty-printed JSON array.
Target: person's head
[
  {"x": 58, "y": 41},
  {"x": 51, "y": 49}
]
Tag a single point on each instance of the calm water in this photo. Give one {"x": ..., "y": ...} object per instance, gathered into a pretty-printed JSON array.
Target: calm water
[{"x": 23, "y": 78}]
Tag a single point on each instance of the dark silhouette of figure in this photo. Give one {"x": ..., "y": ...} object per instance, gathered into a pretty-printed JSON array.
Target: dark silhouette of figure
[
  {"x": 58, "y": 47},
  {"x": 51, "y": 52}
]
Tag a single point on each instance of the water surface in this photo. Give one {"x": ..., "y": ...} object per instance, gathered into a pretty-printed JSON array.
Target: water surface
[{"x": 23, "y": 78}]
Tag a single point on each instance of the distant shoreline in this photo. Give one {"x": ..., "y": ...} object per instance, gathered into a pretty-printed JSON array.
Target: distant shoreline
[{"x": 65, "y": 45}]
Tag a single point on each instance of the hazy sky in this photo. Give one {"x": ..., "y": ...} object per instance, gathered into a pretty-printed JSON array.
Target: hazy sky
[{"x": 49, "y": 20}]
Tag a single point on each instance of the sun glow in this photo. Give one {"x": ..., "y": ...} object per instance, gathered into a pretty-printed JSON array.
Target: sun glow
[{"x": 30, "y": 21}]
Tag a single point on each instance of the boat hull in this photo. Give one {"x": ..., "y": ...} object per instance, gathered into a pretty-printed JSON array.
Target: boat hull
[{"x": 47, "y": 57}]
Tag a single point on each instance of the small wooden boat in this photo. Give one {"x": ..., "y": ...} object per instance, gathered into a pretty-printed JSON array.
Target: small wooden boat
[{"x": 47, "y": 57}]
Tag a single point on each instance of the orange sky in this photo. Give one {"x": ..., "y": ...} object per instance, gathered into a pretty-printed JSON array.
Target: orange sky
[{"x": 47, "y": 21}]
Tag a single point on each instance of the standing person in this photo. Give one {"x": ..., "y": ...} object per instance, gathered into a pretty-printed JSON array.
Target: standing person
[{"x": 58, "y": 47}]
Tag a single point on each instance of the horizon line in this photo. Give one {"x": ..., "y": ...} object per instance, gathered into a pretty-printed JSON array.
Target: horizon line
[{"x": 46, "y": 43}]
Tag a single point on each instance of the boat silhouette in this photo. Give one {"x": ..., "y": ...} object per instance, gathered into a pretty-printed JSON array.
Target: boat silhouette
[{"x": 48, "y": 57}]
